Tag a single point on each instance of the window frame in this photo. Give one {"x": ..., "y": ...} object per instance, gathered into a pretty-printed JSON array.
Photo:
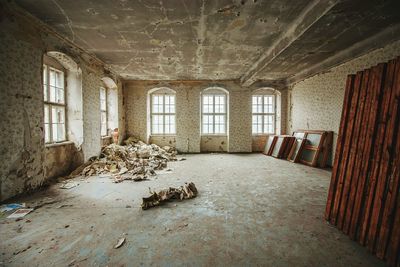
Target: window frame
[
  {"x": 105, "y": 111},
  {"x": 47, "y": 65},
  {"x": 263, "y": 114},
  {"x": 213, "y": 114},
  {"x": 163, "y": 114}
]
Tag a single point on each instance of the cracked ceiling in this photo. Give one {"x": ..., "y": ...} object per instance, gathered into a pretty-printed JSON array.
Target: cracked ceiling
[{"x": 248, "y": 40}]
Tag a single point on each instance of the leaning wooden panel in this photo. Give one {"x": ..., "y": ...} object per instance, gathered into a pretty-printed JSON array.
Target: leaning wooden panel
[
  {"x": 289, "y": 145},
  {"x": 339, "y": 144},
  {"x": 349, "y": 181},
  {"x": 326, "y": 149},
  {"x": 278, "y": 147},
  {"x": 393, "y": 181},
  {"x": 393, "y": 249},
  {"x": 375, "y": 160},
  {"x": 346, "y": 148},
  {"x": 296, "y": 150},
  {"x": 390, "y": 119},
  {"x": 269, "y": 145},
  {"x": 358, "y": 212},
  {"x": 359, "y": 156},
  {"x": 313, "y": 146}
]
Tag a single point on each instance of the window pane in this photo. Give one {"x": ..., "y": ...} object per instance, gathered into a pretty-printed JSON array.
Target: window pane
[
  {"x": 52, "y": 77},
  {"x": 60, "y": 79},
  {"x": 57, "y": 115},
  {"x": 157, "y": 106},
  {"x": 219, "y": 124},
  {"x": 268, "y": 104},
  {"x": 45, "y": 83},
  {"x": 46, "y": 132},
  {"x": 103, "y": 123},
  {"x": 60, "y": 96},
  {"x": 157, "y": 124},
  {"x": 269, "y": 124},
  {"x": 208, "y": 104},
  {"x": 103, "y": 99},
  {"x": 53, "y": 94},
  {"x": 46, "y": 114},
  {"x": 169, "y": 104},
  {"x": 170, "y": 124},
  {"x": 207, "y": 124}
]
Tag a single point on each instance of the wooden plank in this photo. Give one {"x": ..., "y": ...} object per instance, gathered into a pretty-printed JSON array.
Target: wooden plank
[
  {"x": 393, "y": 250},
  {"x": 359, "y": 156},
  {"x": 326, "y": 149},
  {"x": 357, "y": 215},
  {"x": 339, "y": 144},
  {"x": 389, "y": 120},
  {"x": 349, "y": 181},
  {"x": 388, "y": 219},
  {"x": 376, "y": 159},
  {"x": 386, "y": 190},
  {"x": 346, "y": 148}
]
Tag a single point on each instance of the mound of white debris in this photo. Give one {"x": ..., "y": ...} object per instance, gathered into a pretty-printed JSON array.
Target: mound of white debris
[{"x": 135, "y": 160}]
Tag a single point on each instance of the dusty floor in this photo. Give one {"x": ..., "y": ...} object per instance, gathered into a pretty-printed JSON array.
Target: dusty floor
[{"x": 252, "y": 210}]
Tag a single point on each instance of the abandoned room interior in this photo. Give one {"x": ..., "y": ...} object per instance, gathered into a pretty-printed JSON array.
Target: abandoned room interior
[{"x": 200, "y": 133}]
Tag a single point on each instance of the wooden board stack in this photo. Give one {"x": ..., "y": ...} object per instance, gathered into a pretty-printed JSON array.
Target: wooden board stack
[{"x": 364, "y": 199}]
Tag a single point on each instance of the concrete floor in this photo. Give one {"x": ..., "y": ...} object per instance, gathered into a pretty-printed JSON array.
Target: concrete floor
[{"x": 252, "y": 210}]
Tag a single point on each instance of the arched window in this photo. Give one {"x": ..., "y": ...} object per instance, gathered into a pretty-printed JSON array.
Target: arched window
[
  {"x": 62, "y": 95},
  {"x": 103, "y": 112},
  {"x": 54, "y": 96},
  {"x": 162, "y": 111},
  {"x": 264, "y": 112},
  {"x": 108, "y": 106},
  {"x": 214, "y": 111}
]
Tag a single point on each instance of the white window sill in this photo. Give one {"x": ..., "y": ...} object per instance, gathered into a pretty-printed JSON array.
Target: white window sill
[
  {"x": 266, "y": 134},
  {"x": 65, "y": 143}
]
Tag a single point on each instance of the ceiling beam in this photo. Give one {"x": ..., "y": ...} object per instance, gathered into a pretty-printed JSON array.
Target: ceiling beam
[
  {"x": 313, "y": 12},
  {"x": 358, "y": 49}
]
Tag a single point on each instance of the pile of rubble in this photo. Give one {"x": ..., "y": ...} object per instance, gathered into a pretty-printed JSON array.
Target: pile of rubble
[
  {"x": 135, "y": 160},
  {"x": 187, "y": 191}
]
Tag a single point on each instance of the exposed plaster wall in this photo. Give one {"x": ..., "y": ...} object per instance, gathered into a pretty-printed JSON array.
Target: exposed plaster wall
[
  {"x": 60, "y": 159},
  {"x": 25, "y": 162},
  {"x": 316, "y": 103},
  {"x": 188, "y": 138}
]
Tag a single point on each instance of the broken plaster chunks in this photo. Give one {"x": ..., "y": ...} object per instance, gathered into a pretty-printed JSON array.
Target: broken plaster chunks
[
  {"x": 135, "y": 160},
  {"x": 184, "y": 192}
]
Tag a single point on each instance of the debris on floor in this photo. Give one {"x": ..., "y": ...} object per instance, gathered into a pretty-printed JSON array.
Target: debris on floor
[
  {"x": 10, "y": 207},
  {"x": 184, "y": 192},
  {"x": 120, "y": 242},
  {"x": 19, "y": 213},
  {"x": 68, "y": 185},
  {"x": 135, "y": 161},
  {"x": 22, "y": 250}
]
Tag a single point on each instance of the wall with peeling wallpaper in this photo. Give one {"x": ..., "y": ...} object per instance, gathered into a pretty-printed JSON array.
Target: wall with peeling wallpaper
[
  {"x": 188, "y": 138},
  {"x": 316, "y": 103},
  {"x": 26, "y": 162}
]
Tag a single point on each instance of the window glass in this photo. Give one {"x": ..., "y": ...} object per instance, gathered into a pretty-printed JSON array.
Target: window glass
[
  {"x": 214, "y": 114},
  {"x": 263, "y": 118},
  {"x": 54, "y": 107},
  {"x": 163, "y": 114}
]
